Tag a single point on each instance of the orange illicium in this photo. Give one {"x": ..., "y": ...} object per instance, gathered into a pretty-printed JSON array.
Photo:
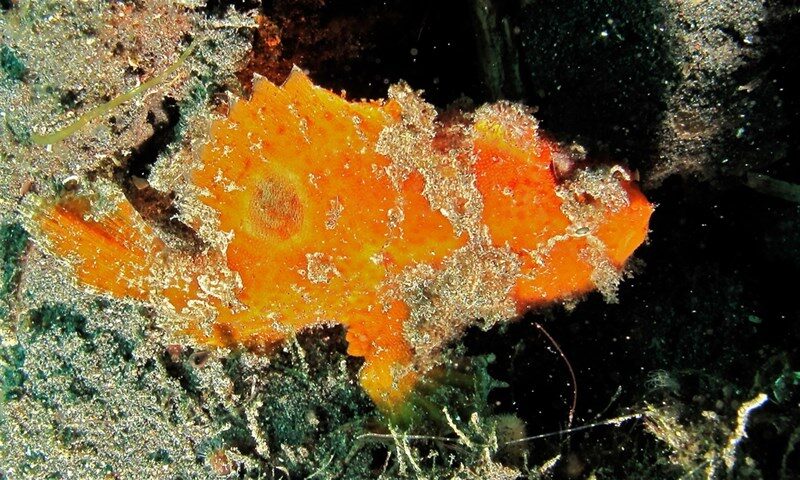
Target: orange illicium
[{"x": 403, "y": 225}]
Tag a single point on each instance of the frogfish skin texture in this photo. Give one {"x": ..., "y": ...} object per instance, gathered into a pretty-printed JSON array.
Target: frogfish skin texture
[{"x": 404, "y": 225}]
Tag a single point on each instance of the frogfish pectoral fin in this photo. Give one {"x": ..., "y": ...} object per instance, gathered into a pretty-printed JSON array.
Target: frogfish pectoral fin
[{"x": 388, "y": 375}]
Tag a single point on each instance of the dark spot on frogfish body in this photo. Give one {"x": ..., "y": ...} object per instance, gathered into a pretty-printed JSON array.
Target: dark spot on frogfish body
[{"x": 276, "y": 208}]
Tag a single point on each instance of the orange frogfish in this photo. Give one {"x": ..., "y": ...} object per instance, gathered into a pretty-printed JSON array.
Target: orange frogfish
[{"x": 404, "y": 225}]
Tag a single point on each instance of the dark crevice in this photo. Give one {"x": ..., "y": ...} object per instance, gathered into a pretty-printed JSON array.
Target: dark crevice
[
  {"x": 219, "y": 7},
  {"x": 59, "y": 318},
  {"x": 734, "y": 33},
  {"x": 146, "y": 154},
  {"x": 70, "y": 99},
  {"x": 176, "y": 363},
  {"x": 155, "y": 206}
]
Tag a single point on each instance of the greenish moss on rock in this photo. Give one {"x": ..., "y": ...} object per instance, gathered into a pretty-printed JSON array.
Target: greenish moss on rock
[
  {"x": 11, "y": 374},
  {"x": 11, "y": 64},
  {"x": 13, "y": 241}
]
